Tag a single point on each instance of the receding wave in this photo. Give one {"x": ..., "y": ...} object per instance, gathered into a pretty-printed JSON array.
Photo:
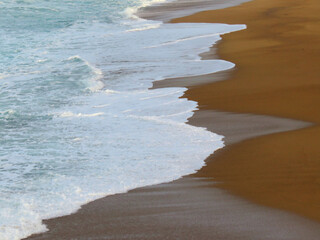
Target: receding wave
[
  {"x": 79, "y": 120},
  {"x": 70, "y": 114}
]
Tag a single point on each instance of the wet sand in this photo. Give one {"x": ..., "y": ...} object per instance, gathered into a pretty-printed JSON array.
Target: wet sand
[
  {"x": 180, "y": 8},
  {"x": 192, "y": 207},
  {"x": 270, "y": 158},
  {"x": 278, "y": 74}
]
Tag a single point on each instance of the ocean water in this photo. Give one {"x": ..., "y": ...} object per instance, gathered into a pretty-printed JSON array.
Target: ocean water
[{"x": 77, "y": 118}]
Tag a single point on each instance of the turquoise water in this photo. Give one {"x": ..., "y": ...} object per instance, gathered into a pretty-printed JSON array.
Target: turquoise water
[{"x": 77, "y": 118}]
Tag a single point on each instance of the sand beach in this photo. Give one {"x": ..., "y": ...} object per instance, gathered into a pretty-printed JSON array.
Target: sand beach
[
  {"x": 265, "y": 184},
  {"x": 277, "y": 75}
]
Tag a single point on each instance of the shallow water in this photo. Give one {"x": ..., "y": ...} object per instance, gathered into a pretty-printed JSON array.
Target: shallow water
[{"x": 77, "y": 118}]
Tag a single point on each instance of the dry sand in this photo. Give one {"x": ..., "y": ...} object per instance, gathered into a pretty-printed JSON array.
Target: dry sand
[{"x": 277, "y": 75}]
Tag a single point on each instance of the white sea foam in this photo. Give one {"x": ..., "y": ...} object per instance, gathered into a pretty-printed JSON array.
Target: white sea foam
[
  {"x": 70, "y": 114},
  {"x": 109, "y": 91},
  {"x": 70, "y": 146},
  {"x": 185, "y": 39},
  {"x": 145, "y": 27},
  {"x": 131, "y": 11},
  {"x": 8, "y": 112},
  {"x": 2, "y": 75},
  {"x": 95, "y": 83},
  {"x": 42, "y": 60},
  {"x": 101, "y": 106}
]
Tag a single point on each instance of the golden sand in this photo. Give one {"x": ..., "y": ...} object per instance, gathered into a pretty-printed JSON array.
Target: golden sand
[{"x": 277, "y": 74}]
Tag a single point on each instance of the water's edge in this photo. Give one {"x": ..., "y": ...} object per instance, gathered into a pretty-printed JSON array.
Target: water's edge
[{"x": 236, "y": 28}]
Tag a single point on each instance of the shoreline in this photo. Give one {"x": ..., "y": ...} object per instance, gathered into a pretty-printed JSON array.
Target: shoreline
[
  {"x": 161, "y": 209},
  {"x": 167, "y": 11},
  {"x": 278, "y": 76}
]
